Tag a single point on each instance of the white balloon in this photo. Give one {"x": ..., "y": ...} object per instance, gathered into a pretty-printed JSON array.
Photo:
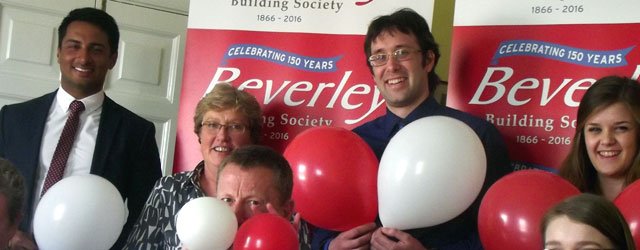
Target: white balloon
[
  {"x": 79, "y": 212},
  {"x": 430, "y": 172},
  {"x": 206, "y": 223}
]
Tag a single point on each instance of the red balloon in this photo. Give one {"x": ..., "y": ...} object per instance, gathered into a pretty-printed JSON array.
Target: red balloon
[
  {"x": 628, "y": 202},
  {"x": 266, "y": 232},
  {"x": 335, "y": 178},
  {"x": 512, "y": 208}
]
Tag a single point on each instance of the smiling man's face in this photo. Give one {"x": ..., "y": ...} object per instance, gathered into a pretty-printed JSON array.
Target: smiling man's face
[{"x": 85, "y": 57}]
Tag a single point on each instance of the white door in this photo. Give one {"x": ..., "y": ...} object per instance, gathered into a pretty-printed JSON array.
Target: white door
[
  {"x": 28, "y": 42},
  {"x": 147, "y": 77}
]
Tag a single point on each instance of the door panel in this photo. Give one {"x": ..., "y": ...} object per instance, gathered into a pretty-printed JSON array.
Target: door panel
[
  {"x": 28, "y": 42},
  {"x": 147, "y": 76}
]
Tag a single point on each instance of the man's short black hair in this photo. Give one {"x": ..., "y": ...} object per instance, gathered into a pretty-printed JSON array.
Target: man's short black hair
[{"x": 96, "y": 17}]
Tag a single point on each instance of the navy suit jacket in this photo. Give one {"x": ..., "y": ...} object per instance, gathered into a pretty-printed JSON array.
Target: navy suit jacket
[{"x": 125, "y": 153}]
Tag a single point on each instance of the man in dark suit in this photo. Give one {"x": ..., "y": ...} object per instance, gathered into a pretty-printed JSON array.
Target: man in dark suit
[{"x": 110, "y": 141}]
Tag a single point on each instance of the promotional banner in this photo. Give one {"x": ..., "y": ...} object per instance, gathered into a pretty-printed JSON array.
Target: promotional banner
[
  {"x": 524, "y": 67},
  {"x": 303, "y": 60}
]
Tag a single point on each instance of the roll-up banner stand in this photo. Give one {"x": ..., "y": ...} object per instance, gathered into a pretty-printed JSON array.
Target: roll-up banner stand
[
  {"x": 525, "y": 65},
  {"x": 302, "y": 59}
]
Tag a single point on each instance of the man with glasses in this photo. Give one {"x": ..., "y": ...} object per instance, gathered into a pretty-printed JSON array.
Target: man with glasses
[{"x": 402, "y": 56}]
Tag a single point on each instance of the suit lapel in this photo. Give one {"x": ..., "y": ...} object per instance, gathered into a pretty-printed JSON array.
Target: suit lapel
[
  {"x": 40, "y": 113},
  {"x": 109, "y": 125},
  {"x": 33, "y": 121}
]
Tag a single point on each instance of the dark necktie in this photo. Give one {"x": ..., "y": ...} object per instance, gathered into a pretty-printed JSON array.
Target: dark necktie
[{"x": 60, "y": 156}]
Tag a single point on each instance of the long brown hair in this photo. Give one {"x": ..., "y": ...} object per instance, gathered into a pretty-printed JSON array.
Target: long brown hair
[
  {"x": 577, "y": 168},
  {"x": 597, "y": 212}
]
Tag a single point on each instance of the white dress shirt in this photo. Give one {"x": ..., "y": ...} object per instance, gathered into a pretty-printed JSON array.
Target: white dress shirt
[{"x": 81, "y": 154}]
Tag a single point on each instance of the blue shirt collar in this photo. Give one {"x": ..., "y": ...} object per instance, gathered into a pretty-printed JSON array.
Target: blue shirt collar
[{"x": 426, "y": 108}]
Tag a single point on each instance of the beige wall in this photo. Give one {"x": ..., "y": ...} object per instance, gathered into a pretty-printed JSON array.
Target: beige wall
[{"x": 442, "y": 29}]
